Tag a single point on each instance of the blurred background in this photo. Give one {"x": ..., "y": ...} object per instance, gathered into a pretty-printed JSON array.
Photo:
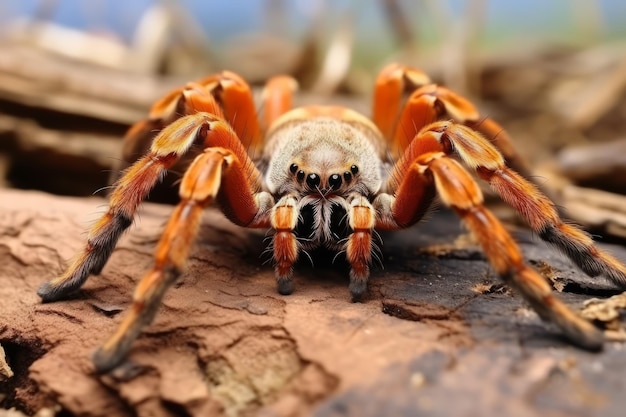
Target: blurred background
[{"x": 74, "y": 75}]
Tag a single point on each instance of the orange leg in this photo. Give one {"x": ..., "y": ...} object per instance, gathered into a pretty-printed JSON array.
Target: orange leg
[
  {"x": 362, "y": 219},
  {"x": 284, "y": 218},
  {"x": 172, "y": 106},
  {"x": 456, "y": 188},
  {"x": 461, "y": 193},
  {"x": 463, "y": 111},
  {"x": 418, "y": 111},
  {"x": 392, "y": 83},
  {"x": 538, "y": 211},
  {"x": 542, "y": 215},
  {"x": 234, "y": 94},
  {"x": 278, "y": 98},
  {"x": 427, "y": 103},
  {"x": 199, "y": 187},
  {"x": 169, "y": 146},
  {"x": 225, "y": 95}
]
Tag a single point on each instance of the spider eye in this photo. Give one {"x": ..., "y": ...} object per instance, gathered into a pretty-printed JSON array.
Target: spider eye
[
  {"x": 334, "y": 181},
  {"x": 313, "y": 180},
  {"x": 293, "y": 168},
  {"x": 347, "y": 176},
  {"x": 300, "y": 176},
  {"x": 354, "y": 169}
]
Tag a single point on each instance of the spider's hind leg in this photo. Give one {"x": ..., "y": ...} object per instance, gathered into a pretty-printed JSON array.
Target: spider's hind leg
[
  {"x": 539, "y": 212},
  {"x": 459, "y": 191},
  {"x": 542, "y": 216},
  {"x": 129, "y": 192},
  {"x": 420, "y": 174}
]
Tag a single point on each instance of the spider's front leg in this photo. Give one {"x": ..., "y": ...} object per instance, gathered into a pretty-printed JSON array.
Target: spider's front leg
[
  {"x": 198, "y": 118},
  {"x": 434, "y": 171},
  {"x": 129, "y": 192},
  {"x": 216, "y": 173}
]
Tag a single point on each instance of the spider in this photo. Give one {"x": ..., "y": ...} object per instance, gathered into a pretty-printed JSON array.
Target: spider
[{"x": 328, "y": 177}]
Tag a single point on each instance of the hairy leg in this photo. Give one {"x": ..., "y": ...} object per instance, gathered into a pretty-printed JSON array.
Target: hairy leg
[
  {"x": 199, "y": 187},
  {"x": 176, "y": 140},
  {"x": 535, "y": 208},
  {"x": 459, "y": 191},
  {"x": 401, "y": 119}
]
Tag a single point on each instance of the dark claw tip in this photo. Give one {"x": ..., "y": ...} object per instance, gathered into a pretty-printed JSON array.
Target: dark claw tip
[
  {"x": 358, "y": 290},
  {"x": 285, "y": 286},
  {"x": 104, "y": 361},
  {"x": 49, "y": 292}
]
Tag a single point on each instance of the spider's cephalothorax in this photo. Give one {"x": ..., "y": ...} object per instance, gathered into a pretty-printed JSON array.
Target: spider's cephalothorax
[
  {"x": 328, "y": 177},
  {"x": 319, "y": 166}
]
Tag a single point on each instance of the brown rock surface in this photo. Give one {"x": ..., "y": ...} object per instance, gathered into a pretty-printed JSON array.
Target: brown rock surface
[{"x": 436, "y": 335}]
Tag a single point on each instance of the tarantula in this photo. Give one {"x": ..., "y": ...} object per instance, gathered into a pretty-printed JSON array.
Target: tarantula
[{"x": 328, "y": 176}]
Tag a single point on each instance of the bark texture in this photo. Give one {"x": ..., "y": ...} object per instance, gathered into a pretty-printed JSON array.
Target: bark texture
[{"x": 436, "y": 335}]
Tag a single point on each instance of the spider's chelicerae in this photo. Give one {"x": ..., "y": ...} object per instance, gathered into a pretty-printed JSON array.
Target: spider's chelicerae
[{"x": 328, "y": 176}]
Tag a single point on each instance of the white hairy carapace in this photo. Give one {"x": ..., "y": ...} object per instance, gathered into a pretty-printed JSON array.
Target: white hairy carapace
[{"x": 324, "y": 158}]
